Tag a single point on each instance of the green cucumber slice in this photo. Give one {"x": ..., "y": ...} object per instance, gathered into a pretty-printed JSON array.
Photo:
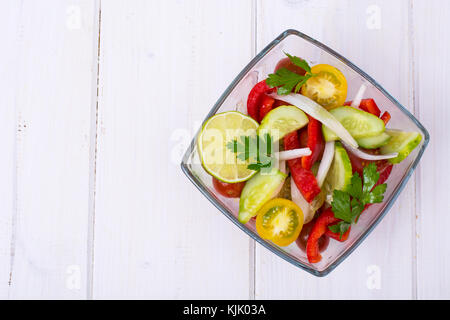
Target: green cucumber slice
[
  {"x": 374, "y": 142},
  {"x": 359, "y": 123},
  {"x": 401, "y": 142},
  {"x": 257, "y": 191},
  {"x": 340, "y": 174},
  {"x": 283, "y": 120}
]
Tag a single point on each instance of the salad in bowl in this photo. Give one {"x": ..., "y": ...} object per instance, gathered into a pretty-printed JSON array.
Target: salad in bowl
[{"x": 301, "y": 161}]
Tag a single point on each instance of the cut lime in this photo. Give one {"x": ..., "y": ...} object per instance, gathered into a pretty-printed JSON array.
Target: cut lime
[
  {"x": 217, "y": 159},
  {"x": 401, "y": 142},
  {"x": 283, "y": 120},
  {"x": 340, "y": 174}
]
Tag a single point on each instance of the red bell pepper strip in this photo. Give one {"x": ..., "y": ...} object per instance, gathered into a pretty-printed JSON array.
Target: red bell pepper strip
[
  {"x": 315, "y": 143},
  {"x": 266, "y": 106},
  {"x": 367, "y": 105},
  {"x": 370, "y": 106},
  {"x": 303, "y": 137},
  {"x": 320, "y": 228},
  {"x": 337, "y": 236},
  {"x": 304, "y": 179},
  {"x": 255, "y": 98},
  {"x": 386, "y": 117}
]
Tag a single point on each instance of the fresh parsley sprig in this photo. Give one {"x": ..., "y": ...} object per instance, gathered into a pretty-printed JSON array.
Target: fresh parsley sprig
[
  {"x": 287, "y": 80},
  {"x": 257, "y": 149},
  {"x": 348, "y": 205}
]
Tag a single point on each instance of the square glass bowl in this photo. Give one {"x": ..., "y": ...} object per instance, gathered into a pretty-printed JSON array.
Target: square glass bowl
[{"x": 235, "y": 98}]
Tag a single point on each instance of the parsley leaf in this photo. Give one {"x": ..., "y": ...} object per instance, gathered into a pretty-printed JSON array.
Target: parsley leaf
[
  {"x": 299, "y": 62},
  {"x": 376, "y": 196},
  {"x": 287, "y": 80},
  {"x": 341, "y": 227},
  {"x": 341, "y": 205},
  {"x": 348, "y": 205},
  {"x": 258, "y": 166},
  {"x": 371, "y": 177},
  {"x": 355, "y": 189},
  {"x": 255, "y": 149}
]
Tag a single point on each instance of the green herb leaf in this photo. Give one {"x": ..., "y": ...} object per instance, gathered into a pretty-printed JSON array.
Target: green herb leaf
[
  {"x": 348, "y": 205},
  {"x": 258, "y": 166},
  {"x": 341, "y": 205},
  {"x": 256, "y": 149},
  {"x": 355, "y": 188},
  {"x": 299, "y": 62},
  {"x": 341, "y": 227},
  {"x": 376, "y": 196},
  {"x": 287, "y": 80},
  {"x": 371, "y": 176}
]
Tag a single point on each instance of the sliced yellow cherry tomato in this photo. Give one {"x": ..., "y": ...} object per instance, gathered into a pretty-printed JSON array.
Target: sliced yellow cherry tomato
[
  {"x": 280, "y": 220},
  {"x": 328, "y": 87}
]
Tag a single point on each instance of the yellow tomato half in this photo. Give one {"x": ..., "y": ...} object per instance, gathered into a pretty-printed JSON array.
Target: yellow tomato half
[
  {"x": 279, "y": 220},
  {"x": 328, "y": 87}
]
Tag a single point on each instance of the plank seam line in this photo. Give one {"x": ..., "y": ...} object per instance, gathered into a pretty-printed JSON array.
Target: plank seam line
[
  {"x": 252, "y": 244},
  {"x": 15, "y": 204},
  {"x": 93, "y": 164},
  {"x": 416, "y": 176}
]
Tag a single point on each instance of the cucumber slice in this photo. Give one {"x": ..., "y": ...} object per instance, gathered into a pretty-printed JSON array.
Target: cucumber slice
[
  {"x": 340, "y": 174},
  {"x": 283, "y": 120},
  {"x": 257, "y": 191},
  {"x": 359, "y": 123},
  {"x": 374, "y": 142},
  {"x": 401, "y": 142}
]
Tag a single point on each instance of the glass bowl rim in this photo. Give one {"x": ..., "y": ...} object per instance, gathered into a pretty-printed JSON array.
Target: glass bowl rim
[{"x": 398, "y": 189}]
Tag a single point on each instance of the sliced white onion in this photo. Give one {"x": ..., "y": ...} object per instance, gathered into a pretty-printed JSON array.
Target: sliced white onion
[
  {"x": 282, "y": 166},
  {"x": 366, "y": 156},
  {"x": 325, "y": 163},
  {"x": 293, "y": 154},
  {"x": 320, "y": 113},
  {"x": 329, "y": 198},
  {"x": 357, "y": 101},
  {"x": 299, "y": 200}
]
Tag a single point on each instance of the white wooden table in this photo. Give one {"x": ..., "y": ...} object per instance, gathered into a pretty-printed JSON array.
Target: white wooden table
[{"x": 99, "y": 100}]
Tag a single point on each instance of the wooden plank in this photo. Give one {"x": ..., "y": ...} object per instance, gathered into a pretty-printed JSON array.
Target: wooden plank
[
  {"x": 8, "y": 26},
  {"x": 354, "y": 30},
  {"x": 162, "y": 66},
  {"x": 431, "y": 51},
  {"x": 47, "y": 72}
]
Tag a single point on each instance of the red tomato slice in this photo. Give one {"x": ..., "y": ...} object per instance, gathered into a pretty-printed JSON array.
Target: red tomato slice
[
  {"x": 229, "y": 190},
  {"x": 304, "y": 235},
  {"x": 286, "y": 63},
  {"x": 255, "y": 98},
  {"x": 266, "y": 106}
]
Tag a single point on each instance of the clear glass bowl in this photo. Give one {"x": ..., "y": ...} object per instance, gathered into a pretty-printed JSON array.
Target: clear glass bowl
[{"x": 235, "y": 98}]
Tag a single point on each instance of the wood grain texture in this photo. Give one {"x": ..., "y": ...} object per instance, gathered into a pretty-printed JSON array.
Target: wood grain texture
[
  {"x": 46, "y": 74},
  {"x": 432, "y": 69},
  {"x": 96, "y": 206},
  {"x": 8, "y": 60},
  {"x": 345, "y": 27},
  {"x": 162, "y": 66}
]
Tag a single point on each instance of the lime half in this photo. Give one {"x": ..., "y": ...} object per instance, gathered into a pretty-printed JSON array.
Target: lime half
[{"x": 219, "y": 160}]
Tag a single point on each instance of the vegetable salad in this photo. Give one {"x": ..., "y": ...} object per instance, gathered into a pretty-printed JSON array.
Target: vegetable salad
[{"x": 303, "y": 162}]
